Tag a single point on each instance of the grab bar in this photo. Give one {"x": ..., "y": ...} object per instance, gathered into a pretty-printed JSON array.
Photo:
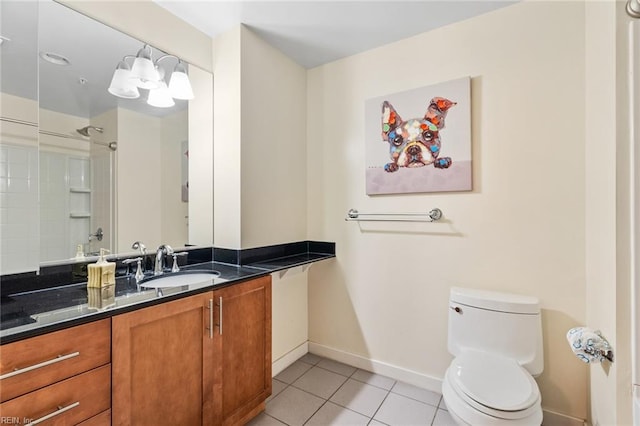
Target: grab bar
[{"x": 432, "y": 216}]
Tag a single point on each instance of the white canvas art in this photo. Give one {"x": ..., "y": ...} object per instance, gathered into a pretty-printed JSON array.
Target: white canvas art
[{"x": 419, "y": 140}]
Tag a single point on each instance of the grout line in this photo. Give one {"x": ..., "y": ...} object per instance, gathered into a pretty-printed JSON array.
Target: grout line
[
  {"x": 350, "y": 377},
  {"x": 314, "y": 413},
  {"x": 417, "y": 400},
  {"x": 380, "y": 406}
]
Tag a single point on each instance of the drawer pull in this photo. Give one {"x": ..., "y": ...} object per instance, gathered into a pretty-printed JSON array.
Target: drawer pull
[
  {"x": 36, "y": 366},
  {"x": 220, "y": 315},
  {"x": 210, "y": 328},
  {"x": 60, "y": 410}
]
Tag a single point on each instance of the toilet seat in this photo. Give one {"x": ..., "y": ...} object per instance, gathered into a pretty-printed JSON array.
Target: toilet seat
[{"x": 494, "y": 385}]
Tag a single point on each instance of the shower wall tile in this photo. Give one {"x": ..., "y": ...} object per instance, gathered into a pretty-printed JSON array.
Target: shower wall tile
[{"x": 19, "y": 224}]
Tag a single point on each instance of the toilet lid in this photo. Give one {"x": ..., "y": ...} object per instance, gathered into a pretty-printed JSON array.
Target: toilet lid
[{"x": 493, "y": 381}]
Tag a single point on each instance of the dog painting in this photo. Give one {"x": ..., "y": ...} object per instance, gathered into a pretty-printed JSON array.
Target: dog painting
[
  {"x": 415, "y": 142},
  {"x": 422, "y": 154}
]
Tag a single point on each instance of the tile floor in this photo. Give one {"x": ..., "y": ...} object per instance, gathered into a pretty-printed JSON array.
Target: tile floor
[{"x": 316, "y": 391}]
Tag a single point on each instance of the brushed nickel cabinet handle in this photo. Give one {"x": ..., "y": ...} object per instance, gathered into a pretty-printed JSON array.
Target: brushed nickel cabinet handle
[
  {"x": 220, "y": 315},
  {"x": 210, "y": 318},
  {"x": 40, "y": 365},
  {"x": 60, "y": 410}
]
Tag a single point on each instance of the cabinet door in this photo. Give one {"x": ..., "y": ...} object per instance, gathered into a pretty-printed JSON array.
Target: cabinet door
[
  {"x": 162, "y": 364},
  {"x": 243, "y": 344}
]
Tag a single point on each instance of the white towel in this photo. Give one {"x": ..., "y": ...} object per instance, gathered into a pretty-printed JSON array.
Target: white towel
[{"x": 589, "y": 345}]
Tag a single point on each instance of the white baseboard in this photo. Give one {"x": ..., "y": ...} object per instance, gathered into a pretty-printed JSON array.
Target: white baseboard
[
  {"x": 417, "y": 379},
  {"x": 551, "y": 418},
  {"x": 378, "y": 367},
  {"x": 289, "y": 358}
]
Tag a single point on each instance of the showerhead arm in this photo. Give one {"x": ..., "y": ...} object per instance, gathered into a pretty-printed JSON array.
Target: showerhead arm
[{"x": 85, "y": 130}]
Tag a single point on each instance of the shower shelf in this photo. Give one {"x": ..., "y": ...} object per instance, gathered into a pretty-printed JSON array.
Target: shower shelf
[
  {"x": 79, "y": 215},
  {"x": 80, "y": 190}
]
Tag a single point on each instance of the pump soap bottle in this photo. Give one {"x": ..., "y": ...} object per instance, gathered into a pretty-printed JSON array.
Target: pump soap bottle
[{"x": 101, "y": 283}]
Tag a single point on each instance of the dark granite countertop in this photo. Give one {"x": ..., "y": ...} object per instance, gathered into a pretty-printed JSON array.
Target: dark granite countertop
[{"x": 31, "y": 313}]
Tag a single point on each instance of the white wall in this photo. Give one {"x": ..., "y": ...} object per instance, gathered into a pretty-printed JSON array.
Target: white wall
[
  {"x": 19, "y": 224},
  {"x": 521, "y": 229}
]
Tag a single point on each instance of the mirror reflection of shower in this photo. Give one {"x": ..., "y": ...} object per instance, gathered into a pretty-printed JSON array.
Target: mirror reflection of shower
[{"x": 85, "y": 130}]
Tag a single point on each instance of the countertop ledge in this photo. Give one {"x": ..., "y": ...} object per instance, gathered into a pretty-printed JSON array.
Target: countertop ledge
[{"x": 39, "y": 312}]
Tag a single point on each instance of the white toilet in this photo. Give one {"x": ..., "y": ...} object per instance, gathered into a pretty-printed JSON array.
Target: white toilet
[{"x": 496, "y": 339}]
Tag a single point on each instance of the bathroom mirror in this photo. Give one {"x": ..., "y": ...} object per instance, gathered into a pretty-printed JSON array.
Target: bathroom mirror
[{"x": 83, "y": 169}]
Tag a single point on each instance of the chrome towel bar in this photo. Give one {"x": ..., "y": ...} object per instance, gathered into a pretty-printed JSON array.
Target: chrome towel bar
[{"x": 431, "y": 216}]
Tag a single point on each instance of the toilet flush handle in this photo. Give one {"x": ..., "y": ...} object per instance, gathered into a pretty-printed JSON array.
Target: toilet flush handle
[{"x": 457, "y": 309}]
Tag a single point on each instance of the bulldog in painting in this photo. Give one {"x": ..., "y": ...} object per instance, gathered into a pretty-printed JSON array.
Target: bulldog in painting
[{"x": 415, "y": 142}]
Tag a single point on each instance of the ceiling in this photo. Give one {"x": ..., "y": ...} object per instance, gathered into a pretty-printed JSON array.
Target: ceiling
[{"x": 313, "y": 33}]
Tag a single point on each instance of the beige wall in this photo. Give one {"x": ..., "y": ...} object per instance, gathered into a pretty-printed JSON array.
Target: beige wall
[
  {"x": 227, "y": 149},
  {"x": 174, "y": 211},
  {"x": 273, "y": 167},
  {"x": 608, "y": 221},
  {"x": 260, "y": 149},
  {"x": 139, "y": 196},
  {"x": 200, "y": 209},
  {"x": 521, "y": 229}
]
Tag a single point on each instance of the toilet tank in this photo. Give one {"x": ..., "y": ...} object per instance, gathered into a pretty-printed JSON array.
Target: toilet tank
[{"x": 501, "y": 323}]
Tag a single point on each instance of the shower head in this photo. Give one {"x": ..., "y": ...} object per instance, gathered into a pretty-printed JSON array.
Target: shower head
[{"x": 85, "y": 130}]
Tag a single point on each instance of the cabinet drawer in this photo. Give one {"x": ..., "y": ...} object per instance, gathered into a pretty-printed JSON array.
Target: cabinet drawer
[
  {"x": 33, "y": 363},
  {"x": 102, "y": 419},
  {"x": 64, "y": 403}
]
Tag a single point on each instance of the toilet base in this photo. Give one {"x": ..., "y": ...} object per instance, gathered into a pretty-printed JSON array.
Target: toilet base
[{"x": 465, "y": 415}]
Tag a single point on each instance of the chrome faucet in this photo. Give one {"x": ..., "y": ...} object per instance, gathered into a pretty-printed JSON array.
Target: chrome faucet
[
  {"x": 162, "y": 250},
  {"x": 139, "y": 246}
]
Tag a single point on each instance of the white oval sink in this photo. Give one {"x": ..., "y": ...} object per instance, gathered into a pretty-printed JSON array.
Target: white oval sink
[{"x": 178, "y": 279}]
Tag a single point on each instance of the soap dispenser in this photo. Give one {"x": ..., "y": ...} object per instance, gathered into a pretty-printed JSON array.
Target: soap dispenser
[{"x": 101, "y": 282}]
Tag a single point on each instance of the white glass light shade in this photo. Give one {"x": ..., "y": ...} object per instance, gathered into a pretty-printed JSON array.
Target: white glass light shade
[
  {"x": 160, "y": 97},
  {"x": 179, "y": 84},
  {"x": 122, "y": 85},
  {"x": 143, "y": 71}
]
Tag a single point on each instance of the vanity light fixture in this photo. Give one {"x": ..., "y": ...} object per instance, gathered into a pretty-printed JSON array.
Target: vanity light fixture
[
  {"x": 179, "y": 84},
  {"x": 145, "y": 73},
  {"x": 160, "y": 96},
  {"x": 122, "y": 84},
  {"x": 143, "y": 70}
]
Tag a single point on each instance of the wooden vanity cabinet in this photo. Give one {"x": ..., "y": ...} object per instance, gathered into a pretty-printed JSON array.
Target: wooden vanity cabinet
[
  {"x": 59, "y": 378},
  {"x": 243, "y": 351},
  {"x": 163, "y": 364},
  {"x": 201, "y": 360}
]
